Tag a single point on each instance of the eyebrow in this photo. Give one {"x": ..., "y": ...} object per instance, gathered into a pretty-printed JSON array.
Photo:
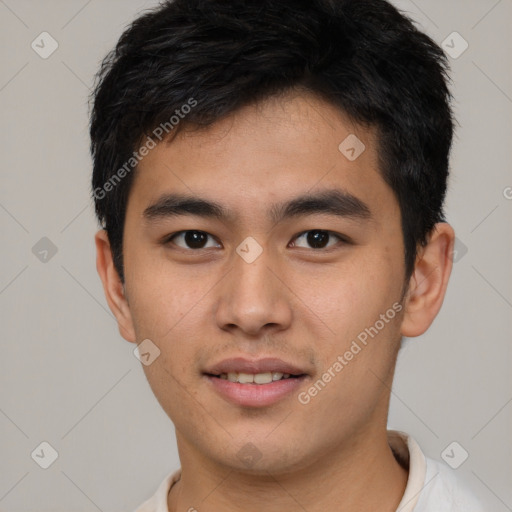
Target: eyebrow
[{"x": 330, "y": 201}]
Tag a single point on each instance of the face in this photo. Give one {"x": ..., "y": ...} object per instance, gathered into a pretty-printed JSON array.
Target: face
[{"x": 295, "y": 265}]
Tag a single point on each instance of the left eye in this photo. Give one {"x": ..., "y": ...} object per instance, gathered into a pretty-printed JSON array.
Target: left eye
[
  {"x": 193, "y": 239},
  {"x": 318, "y": 238}
]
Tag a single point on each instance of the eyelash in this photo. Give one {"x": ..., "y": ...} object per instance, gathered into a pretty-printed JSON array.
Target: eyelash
[{"x": 341, "y": 238}]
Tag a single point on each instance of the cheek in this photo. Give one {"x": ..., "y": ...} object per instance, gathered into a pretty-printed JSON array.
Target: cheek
[
  {"x": 172, "y": 311},
  {"x": 163, "y": 296},
  {"x": 348, "y": 298},
  {"x": 359, "y": 304}
]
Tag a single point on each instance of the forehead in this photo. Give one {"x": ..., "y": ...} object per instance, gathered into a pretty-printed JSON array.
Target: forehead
[{"x": 267, "y": 152}]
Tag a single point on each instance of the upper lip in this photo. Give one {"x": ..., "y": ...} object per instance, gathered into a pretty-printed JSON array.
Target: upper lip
[{"x": 243, "y": 365}]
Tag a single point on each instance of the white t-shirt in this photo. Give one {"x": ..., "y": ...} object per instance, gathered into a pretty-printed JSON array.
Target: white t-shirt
[{"x": 431, "y": 487}]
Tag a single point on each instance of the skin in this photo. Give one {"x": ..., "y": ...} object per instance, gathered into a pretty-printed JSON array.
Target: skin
[{"x": 295, "y": 302}]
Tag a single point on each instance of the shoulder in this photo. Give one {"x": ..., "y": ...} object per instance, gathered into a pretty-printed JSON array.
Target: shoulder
[
  {"x": 432, "y": 486},
  {"x": 444, "y": 491},
  {"x": 158, "y": 502}
]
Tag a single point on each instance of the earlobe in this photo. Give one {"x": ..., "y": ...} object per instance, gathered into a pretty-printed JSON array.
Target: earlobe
[
  {"x": 429, "y": 281},
  {"x": 113, "y": 287}
]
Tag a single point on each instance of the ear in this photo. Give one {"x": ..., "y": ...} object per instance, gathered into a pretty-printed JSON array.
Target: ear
[
  {"x": 429, "y": 280},
  {"x": 113, "y": 287}
]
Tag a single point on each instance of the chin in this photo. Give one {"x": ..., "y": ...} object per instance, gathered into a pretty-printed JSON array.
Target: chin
[{"x": 261, "y": 456}]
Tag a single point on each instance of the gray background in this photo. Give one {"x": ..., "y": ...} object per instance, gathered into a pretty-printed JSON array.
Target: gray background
[{"x": 68, "y": 378}]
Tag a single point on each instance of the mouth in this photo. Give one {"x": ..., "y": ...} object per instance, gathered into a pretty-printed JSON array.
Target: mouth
[
  {"x": 258, "y": 383},
  {"x": 255, "y": 378}
]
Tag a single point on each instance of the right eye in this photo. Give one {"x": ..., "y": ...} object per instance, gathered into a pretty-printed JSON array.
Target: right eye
[{"x": 191, "y": 239}]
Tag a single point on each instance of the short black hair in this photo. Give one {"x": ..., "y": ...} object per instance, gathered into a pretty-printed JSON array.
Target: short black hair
[{"x": 194, "y": 62}]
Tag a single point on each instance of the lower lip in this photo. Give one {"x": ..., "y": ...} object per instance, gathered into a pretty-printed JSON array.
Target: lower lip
[{"x": 255, "y": 395}]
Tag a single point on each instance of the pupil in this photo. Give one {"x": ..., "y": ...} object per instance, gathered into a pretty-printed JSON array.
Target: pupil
[
  {"x": 195, "y": 239},
  {"x": 318, "y": 239}
]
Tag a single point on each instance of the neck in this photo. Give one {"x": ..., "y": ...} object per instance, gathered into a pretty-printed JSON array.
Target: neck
[{"x": 360, "y": 476}]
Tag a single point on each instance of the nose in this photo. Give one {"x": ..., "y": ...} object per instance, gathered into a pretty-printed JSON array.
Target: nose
[{"x": 254, "y": 297}]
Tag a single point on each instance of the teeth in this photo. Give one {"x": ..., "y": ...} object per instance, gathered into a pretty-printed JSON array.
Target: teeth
[
  {"x": 263, "y": 378},
  {"x": 245, "y": 378},
  {"x": 258, "y": 378}
]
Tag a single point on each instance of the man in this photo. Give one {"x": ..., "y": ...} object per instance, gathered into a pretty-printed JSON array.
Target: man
[{"x": 270, "y": 178}]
